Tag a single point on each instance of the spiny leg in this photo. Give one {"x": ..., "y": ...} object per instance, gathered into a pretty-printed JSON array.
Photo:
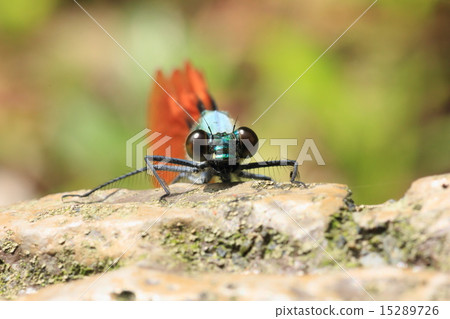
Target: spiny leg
[
  {"x": 255, "y": 176},
  {"x": 172, "y": 160},
  {"x": 292, "y": 163},
  {"x": 107, "y": 183},
  {"x": 189, "y": 167}
]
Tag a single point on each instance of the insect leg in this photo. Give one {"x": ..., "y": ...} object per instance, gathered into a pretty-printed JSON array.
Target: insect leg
[
  {"x": 292, "y": 163},
  {"x": 172, "y": 160},
  {"x": 107, "y": 183},
  {"x": 189, "y": 169},
  {"x": 255, "y": 176},
  {"x": 161, "y": 167}
]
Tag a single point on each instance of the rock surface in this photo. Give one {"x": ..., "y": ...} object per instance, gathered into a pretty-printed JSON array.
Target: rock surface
[{"x": 247, "y": 241}]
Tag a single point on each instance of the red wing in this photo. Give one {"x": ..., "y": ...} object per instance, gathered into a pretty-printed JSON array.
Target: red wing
[{"x": 174, "y": 110}]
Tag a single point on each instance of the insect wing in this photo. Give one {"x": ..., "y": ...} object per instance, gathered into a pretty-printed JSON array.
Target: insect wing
[{"x": 174, "y": 107}]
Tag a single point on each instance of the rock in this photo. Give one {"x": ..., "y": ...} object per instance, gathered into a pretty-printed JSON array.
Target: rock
[
  {"x": 372, "y": 260},
  {"x": 140, "y": 283},
  {"x": 267, "y": 240}
]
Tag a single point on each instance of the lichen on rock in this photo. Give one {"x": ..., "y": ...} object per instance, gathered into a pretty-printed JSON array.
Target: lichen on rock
[{"x": 238, "y": 235}]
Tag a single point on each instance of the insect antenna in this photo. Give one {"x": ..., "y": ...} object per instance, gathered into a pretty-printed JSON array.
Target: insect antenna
[
  {"x": 209, "y": 128},
  {"x": 235, "y": 121}
]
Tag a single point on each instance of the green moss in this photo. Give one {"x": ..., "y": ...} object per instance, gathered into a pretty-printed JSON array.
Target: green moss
[
  {"x": 396, "y": 241},
  {"x": 36, "y": 272},
  {"x": 343, "y": 240},
  {"x": 415, "y": 248},
  {"x": 8, "y": 246},
  {"x": 206, "y": 248}
]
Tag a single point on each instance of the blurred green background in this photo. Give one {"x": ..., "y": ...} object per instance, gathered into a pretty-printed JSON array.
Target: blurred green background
[{"x": 377, "y": 104}]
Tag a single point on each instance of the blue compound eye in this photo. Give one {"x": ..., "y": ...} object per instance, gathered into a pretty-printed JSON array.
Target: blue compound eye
[{"x": 247, "y": 138}]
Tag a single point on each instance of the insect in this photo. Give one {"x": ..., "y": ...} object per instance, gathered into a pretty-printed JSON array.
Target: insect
[{"x": 182, "y": 108}]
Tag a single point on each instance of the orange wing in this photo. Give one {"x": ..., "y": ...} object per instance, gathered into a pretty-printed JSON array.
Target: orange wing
[{"x": 173, "y": 109}]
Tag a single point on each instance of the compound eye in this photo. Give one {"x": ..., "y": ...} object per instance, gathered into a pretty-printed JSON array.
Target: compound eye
[
  {"x": 197, "y": 145},
  {"x": 248, "y": 141}
]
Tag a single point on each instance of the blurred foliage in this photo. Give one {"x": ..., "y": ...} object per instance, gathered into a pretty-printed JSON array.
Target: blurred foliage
[
  {"x": 18, "y": 17},
  {"x": 376, "y": 104}
]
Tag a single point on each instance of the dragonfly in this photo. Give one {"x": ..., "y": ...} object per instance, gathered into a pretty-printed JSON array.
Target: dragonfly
[{"x": 204, "y": 141}]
